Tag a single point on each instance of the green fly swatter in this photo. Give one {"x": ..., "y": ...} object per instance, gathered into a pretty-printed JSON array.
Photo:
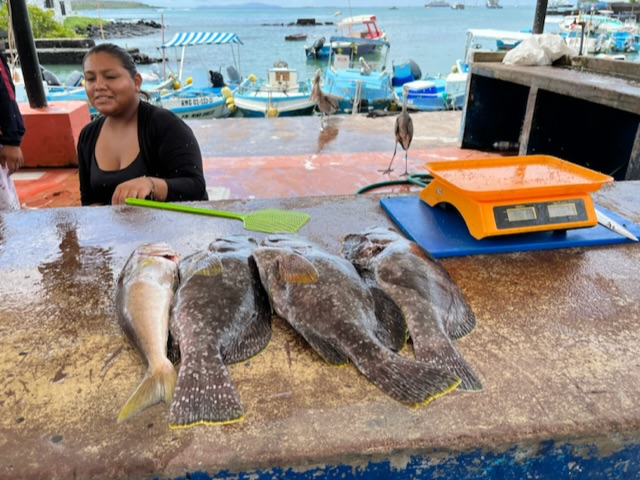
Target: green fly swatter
[{"x": 268, "y": 220}]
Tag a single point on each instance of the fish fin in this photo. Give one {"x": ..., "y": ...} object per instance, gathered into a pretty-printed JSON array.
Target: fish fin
[
  {"x": 255, "y": 337},
  {"x": 294, "y": 268},
  {"x": 460, "y": 320},
  {"x": 156, "y": 386},
  {"x": 448, "y": 357},
  {"x": 201, "y": 263},
  {"x": 204, "y": 393},
  {"x": 393, "y": 331},
  {"x": 410, "y": 382},
  {"x": 323, "y": 347}
]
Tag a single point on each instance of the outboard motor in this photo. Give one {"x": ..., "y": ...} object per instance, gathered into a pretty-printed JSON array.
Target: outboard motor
[
  {"x": 280, "y": 64},
  {"x": 217, "y": 80},
  {"x": 317, "y": 46},
  {"x": 232, "y": 74},
  {"x": 415, "y": 69},
  {"x": 49, "y": 77},
  {"x": 74, "y": 79}
]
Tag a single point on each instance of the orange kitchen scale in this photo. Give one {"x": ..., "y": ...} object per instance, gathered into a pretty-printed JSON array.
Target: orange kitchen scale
[{"x": 509, "y": 195}]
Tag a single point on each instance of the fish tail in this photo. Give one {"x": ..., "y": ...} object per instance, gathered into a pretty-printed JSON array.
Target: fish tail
[
  {"x": 204, "y": 393},
  {"x": 449, "y": 358},
  {"x": 156, "y": 386},
  {"x": 411, "y": 382}
]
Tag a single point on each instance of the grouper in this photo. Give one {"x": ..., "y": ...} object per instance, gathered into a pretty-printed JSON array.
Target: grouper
[
  {"x": 144, "y": 293},
  {"x": 220, "y": 315},
  {"x": 322, "y": 297},
  {"x": 433, "y": 305}
]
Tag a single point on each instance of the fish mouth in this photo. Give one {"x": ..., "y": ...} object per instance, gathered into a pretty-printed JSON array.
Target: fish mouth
[
  {"x": 232, "y": 243},
  {"x": 159, "y": 250}
]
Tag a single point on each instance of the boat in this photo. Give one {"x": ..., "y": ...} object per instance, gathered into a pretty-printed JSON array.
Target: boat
[
  {"x": 437, "y": 3},
  {"x": 593, "y": 24},
  {"x": 624, "y": 41},
  {"x": 359, "y": 85},
  {"x": 493, "y": 4},
  {"x": 457, "y": 6},
  {"x": 296, "y": 37},
  {"x": 205, "y": 94},
  {"x": 359, "y": 27},
  {"x": 281, "y": 94},
  {"x": 432, "y": 93}
]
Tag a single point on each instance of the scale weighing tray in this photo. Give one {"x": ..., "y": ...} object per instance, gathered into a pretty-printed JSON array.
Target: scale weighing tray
[{"x": 507, "y": 195}]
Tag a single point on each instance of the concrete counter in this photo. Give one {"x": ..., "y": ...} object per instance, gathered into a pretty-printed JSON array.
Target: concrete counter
[{"x": 556, "y": 345}]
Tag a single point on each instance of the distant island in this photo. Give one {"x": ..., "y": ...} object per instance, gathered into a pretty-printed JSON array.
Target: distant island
[
  {"x": 108, "y": 4},
  {"x": 119, "y": 4}
]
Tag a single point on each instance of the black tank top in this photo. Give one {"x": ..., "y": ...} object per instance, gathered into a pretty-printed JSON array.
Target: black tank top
[{"x": 104, "y": 182}]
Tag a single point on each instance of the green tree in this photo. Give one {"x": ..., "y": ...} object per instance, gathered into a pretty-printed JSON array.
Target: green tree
[{"x": 43, "y": 24}]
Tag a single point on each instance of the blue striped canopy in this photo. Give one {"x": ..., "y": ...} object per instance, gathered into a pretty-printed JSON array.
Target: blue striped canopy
[{"x": 201, "y": 38}]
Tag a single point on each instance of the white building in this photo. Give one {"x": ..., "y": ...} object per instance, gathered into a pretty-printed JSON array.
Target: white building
[{"x": 61, "y": 8}]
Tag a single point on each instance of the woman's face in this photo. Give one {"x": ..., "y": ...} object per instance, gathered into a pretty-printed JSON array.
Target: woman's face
[{"x": 109, "y": 86}]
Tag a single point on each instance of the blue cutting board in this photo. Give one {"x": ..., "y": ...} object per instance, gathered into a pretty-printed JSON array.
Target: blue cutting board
[{"x": 444, "y": 233}]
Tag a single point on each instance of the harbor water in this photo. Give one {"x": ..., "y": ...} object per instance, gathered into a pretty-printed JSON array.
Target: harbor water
[{"x": 434, "y": 38}]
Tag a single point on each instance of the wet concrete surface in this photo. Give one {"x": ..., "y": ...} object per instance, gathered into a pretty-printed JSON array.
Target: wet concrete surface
[{"x": 556, "y": 347}]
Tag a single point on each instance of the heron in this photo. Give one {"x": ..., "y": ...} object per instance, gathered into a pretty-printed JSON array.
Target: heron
[
  {"x": 404, "y": 134},
  {"x": 325, "y": 103}
]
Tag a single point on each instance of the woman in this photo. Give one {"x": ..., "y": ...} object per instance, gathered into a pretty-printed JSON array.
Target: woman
[{"x": 134, "y": 149}]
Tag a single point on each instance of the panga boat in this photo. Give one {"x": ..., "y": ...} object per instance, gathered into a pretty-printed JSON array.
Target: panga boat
[
  {"x": 282, "y": 94},
  {"x": 359, "y": 27},
  {"x": 360, "y": 85},
  {"x": 208, "y": 96},
  {"x": 429, "y": 94},
  {"x": 295, "y": 37}
]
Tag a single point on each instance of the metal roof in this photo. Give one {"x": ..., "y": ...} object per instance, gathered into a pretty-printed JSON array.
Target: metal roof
[{"x": 182, "y": 39}]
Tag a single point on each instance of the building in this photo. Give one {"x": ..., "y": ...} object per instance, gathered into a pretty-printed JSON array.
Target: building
[{"x": 61, "y": 8}]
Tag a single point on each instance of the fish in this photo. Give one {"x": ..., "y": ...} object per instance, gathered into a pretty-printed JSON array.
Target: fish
[
  {"x": 434, "y": 307},
  {"x": 220, "y": 315},
  {"x": 323, "y": 298},
  {"x": 144, "y": 293}
]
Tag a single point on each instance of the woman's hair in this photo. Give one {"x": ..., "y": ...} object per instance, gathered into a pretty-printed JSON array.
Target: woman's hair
[{"x": 117, "y": 52}]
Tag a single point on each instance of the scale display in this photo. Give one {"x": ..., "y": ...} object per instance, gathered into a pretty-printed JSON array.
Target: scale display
[{"x": 508, "y": 195}]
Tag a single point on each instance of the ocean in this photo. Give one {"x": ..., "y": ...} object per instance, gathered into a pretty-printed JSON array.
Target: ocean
[{"x": 434, "y": 38}]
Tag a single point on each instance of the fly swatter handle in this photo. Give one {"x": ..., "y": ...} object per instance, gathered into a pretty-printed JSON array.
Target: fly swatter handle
[{"x": 180, "y": 208}]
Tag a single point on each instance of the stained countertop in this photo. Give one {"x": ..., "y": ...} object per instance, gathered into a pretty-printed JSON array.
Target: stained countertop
[{"x": 556, "y": 346}]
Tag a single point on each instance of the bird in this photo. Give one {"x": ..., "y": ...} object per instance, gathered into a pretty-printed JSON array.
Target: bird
[
  {"x": 325, "y": 103},
  {"x": 403, "y": 133}
]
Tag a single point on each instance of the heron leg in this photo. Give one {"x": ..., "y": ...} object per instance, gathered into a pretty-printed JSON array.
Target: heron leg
[
  {"x": 389, "y": 169},
  {"x": 406, "y": 164}
]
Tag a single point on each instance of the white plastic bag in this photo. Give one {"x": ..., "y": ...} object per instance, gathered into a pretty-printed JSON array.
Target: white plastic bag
[
  {"x": 539, "y": 50},
  {"x": 8, "y": 195}
]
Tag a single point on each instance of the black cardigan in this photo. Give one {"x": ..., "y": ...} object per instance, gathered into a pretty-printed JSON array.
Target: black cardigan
[
  {"x": 168, "y": 148},
  {"x": 11, "y": 124}
]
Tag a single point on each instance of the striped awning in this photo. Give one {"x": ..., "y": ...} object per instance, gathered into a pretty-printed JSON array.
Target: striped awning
[{"x": 201, "y": 38}]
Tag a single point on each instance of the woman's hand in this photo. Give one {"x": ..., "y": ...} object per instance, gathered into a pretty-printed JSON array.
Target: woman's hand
[
  {"x": 11, "y": 156},
  {"x": 140, "y": 187}
]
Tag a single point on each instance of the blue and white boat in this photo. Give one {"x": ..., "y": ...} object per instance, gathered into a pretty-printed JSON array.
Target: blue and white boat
[
  {"x": 281, "y": 94},
  {"x": 359, "y": 85},
  {"x": 358, "y": 27},
  {"x": 431, "y": 93},
  {"x": 204, "y": 94}
]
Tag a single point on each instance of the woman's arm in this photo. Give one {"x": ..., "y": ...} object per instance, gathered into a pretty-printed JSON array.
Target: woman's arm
[{"x": 179, "y": 162}]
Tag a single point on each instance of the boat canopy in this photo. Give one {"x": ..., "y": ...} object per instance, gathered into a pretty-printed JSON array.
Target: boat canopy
[
  {"x": 360, "y": 41},
  {"x": 183, "y": 39},
  {"x": 490, "y": 33}
]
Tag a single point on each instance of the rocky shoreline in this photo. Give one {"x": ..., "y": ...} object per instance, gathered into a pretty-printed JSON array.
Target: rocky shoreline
[
  {"x": 71, "y": 51},
  {"x": 121, "y": 29}
]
